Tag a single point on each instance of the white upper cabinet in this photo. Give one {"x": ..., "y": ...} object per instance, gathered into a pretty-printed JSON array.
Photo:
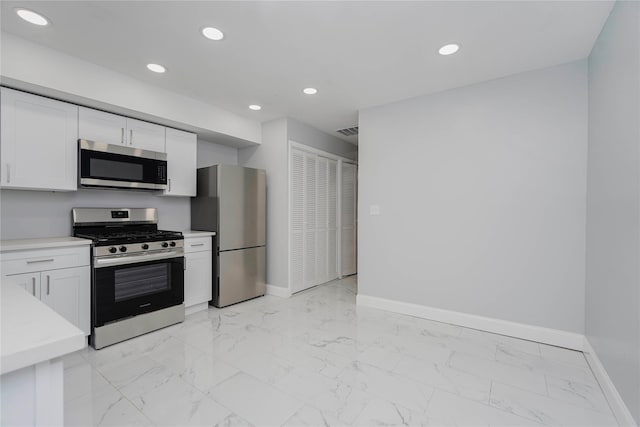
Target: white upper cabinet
[
  {"x": 145, "y": 135},
  {"x": 38, "y": 142},
  {"x": 95, "y": 125},
  {"x": 181, "y": 149}
]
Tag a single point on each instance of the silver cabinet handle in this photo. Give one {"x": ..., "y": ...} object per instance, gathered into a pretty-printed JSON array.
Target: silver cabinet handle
[
  {"x": 40, "y": 260},
  {"x": 197, "y": 244},
  {"x": 122, "y": 135},
  {"x": 33, "y": 286},
  {"x": 48, "y": 283},
  {"x": 185, "y": 263},
  {"x": 130, "y": 136},
  {"x": 169, "y": 185},
  {"x": 8, "y": 173}
]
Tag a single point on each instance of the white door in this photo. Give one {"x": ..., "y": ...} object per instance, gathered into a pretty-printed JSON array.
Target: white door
[
  {"x": 349, "y": 218},
  {"x": 30, "y": 282},
  {"x": 181, "y": 149},
  {"x": 313, "y": 220},
  {"x": 39, "y": 142},
  {"x": 67, "y": 292},
  {"x": 296, "y": 220},
  {"x": 95, "y": 125},
  {"x": 197, "y": 278},
  {"x": 145, "y": 135}
]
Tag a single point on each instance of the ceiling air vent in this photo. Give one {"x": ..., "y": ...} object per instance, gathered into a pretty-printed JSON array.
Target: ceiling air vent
[{"x": 348, "y": 131}]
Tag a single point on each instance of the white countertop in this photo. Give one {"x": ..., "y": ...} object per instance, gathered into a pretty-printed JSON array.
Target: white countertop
[
  {"x": 32, "y": 332},
  {"x": 49, "y": 242},
  {"x": 197, "y": 233}
]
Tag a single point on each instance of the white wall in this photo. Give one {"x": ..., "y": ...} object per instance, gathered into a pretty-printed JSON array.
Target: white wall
[
  {"x": 613, "y": 208},
  {"x": 30, "y": 214},
  {"x": 482, "y": 199},
  {"x": 272, "y": 155},
  {"x": 29, "y": 66}
]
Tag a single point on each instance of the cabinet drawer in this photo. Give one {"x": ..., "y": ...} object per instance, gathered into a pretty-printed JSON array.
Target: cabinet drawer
[
  {"x": 197, "y": 244},
  {"x": 43, "y": 259}
]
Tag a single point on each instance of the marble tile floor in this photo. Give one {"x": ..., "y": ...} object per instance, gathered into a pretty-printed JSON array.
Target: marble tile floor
[{"x": 316, "y": 359}]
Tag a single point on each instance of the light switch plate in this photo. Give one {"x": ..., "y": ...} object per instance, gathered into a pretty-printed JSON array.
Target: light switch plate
[{"x": 374, "y": 210}]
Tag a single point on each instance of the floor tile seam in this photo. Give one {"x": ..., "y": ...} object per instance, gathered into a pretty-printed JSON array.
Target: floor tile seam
[
  {"x": 449, "y": 391},
  {"x": 601, "y": 388},
  {"x": 546, "y": 373},
  {"x": 558, "y": 400},
  {"x": 136, "y": 408},
  {"x": 488, "y": 404},
  {"x": 558, "y": 361},
  {"x": 508, "y": 365}
]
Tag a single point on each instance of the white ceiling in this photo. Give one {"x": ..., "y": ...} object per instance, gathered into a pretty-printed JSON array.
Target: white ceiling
[{"x": 358, "y": 54}]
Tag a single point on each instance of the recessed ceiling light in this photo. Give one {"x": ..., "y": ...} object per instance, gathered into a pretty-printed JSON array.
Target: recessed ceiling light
[
  {"x": 449, "y": 49},
  {"x": 156, "y": 68},
  {"x": 310, "y": 90},
  {"x": 32, "y": 17},
  {"x": 255, "y": 107},
  {"x": 212, "y": 33}
]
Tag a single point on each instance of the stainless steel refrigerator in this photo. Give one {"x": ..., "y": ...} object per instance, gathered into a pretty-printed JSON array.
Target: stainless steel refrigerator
[{"x": 231, "y": 200}]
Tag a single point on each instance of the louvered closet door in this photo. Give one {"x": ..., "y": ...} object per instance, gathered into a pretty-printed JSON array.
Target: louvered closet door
[
  {"x": 349, "y": 216},
  {"x": 310, "y": 223},
  {"x": 322, "y": 212},
  {"x": 296, "y": 233},
  {"x": 313, "y": 220}
]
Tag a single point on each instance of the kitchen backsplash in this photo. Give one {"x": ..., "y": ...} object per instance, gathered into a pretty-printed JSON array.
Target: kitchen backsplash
[{"x": 31, "y": 214}]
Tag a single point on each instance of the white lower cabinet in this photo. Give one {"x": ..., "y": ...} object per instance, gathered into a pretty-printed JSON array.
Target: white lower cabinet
[
  {"x": 65, "y": 284},
  {"x": 198, "y": 272}
]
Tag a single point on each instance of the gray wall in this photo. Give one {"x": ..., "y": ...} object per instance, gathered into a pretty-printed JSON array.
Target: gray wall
[
  {"x": 27, "y": 214},
  {"x": 215, "y": 154},
  {"x": 482, "y": 199},
  {"x": 613, "y": 202},
  {"x": 305, "y": 134},
  {"x": 272, "y": 155}
]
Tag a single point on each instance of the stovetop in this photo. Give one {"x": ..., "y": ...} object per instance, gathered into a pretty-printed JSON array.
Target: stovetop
[{"x": 113, "y": 238}]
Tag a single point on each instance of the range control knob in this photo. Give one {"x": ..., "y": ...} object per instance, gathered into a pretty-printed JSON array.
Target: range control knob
[
  {"x": 172, "y": 244},
  {"x": 113, "y": 250},
  {"x": 165, "y": 245},
  {"x": 123, "y": 249},
  {"x": 145, "y": 246}
]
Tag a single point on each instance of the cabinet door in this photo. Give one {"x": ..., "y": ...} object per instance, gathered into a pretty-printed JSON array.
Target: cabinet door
[
  {"x": 181, "y": 149},
  {"x": 30, "y": 282},
  {"x": 99, "y": 126},
  {"x": 67, "y": 292},
  {"x": 197, "y": 278},
  {"x": 39, "y": 142},
  {"x": 144, "y": 135}
]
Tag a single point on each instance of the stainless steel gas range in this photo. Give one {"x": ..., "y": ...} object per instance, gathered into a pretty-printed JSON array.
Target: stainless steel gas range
[{"x": 137, "y": 283}]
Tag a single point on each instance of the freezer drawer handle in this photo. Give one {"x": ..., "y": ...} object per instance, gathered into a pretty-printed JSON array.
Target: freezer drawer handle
[{"x": 197, "y": 244}]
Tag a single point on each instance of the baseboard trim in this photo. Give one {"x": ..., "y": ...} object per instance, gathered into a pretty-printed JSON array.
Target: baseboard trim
[
  {"x": 555, "y": 337},
  {"x": 278, "y": 291},
  {"x": 620, "y": 410}
]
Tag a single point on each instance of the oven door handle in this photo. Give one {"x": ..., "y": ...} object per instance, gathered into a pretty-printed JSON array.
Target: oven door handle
[{"x": 133, "y": 259}]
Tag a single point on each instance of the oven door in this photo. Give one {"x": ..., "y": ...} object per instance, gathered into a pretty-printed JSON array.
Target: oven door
[
  {"x": 125, "y": 290},
  {"x": 115, "y": 166}
]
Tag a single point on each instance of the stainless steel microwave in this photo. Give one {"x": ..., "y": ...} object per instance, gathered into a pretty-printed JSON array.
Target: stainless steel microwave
[{"x": 116, "y": 166}]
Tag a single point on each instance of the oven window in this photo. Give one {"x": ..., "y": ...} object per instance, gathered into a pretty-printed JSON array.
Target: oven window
[
  {"x": 114, "y": 169},
  {"x": 132, "y": 282}
]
